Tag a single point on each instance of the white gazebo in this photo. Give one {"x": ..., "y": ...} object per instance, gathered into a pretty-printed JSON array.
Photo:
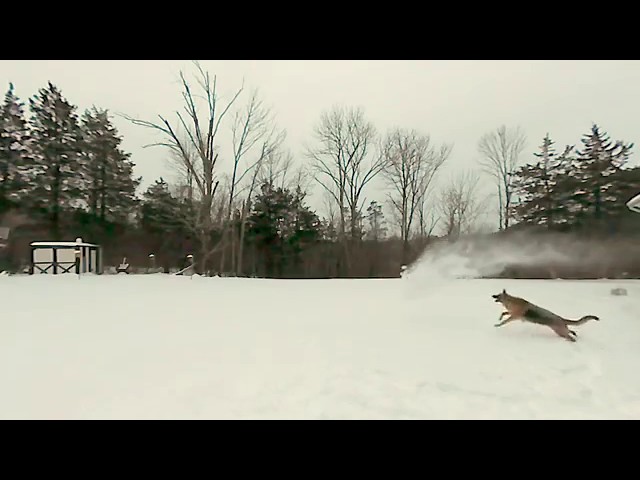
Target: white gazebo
[
  {"x": 634, "y": 204},
  {"x": 65, "y": 257}
]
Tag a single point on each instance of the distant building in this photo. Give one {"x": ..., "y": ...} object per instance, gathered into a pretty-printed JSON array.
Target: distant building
[{"x": 60, "y": 257}]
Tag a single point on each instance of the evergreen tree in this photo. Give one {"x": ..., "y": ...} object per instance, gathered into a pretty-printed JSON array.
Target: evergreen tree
[
  {"x": 307, "y": 225},
  {"x": 281, "y": 226},
  {"x": 539, "y": 201},
  {"x": 328, "y": 230},
  {"x": 60, "y": 176},
  {"x": 111, "y": 190},
  {"x": 375, "y": 217},
  {"x": 160, "y": 210},
  {"x": 161, "y": 217},
  {"x": 14, "y": 151},
  {"x": 592, "y": 191}
]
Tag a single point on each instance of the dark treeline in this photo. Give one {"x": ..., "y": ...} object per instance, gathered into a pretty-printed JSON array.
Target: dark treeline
[{"x": 63, "y": 174}]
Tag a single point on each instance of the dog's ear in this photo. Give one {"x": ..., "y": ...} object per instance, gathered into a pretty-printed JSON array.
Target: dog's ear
[{"x": 504, "y": 290}]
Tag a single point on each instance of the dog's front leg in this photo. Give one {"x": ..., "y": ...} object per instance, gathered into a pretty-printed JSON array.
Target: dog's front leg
[
  {"x": 502, "y": 315},
  {"x": 510, "y": 319}
]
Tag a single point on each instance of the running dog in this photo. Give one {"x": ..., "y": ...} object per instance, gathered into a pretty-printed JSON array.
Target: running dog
[{"x": 520, "y": 309}]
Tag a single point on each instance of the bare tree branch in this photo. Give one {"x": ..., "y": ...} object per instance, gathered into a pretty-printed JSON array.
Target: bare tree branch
[
  {"x": 460, "y": 205},
  {"x": 343, "y": 163},
  {"x": 411, "y": 162},
  {"x": 253, "y": 130},
  {"x": 501, "y": 150},
  {"x": 194, "y": 148}
]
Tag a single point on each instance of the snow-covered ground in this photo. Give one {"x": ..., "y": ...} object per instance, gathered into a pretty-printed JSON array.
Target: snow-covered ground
[{"x": 168, "y": 347}]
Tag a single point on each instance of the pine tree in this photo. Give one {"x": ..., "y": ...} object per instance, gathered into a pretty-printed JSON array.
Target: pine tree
[
  {"x": 307, "y": 225},
  {"x": 61, "y": 176},
  {"x": 535, "y": 186},
  {"x": 14, "y": 151},
  {"x": 160, "y": 210},
  {"x": 161, "y": 217},
  {"x": 375, "y": 217},
  {"x": 281, "y": 226},
  {"x": 111, "y": 192},
  {"x": 591, "y": 186}
]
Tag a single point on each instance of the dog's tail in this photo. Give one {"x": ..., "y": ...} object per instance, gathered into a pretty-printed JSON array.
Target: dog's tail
[{"x": 582, "y": 321}]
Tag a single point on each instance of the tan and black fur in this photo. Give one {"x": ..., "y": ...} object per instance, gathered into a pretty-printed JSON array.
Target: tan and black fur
[{"x": 520, "y": 309}]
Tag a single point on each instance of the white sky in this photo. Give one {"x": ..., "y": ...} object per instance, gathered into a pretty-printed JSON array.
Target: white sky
[{"x": 454, "y": 101}]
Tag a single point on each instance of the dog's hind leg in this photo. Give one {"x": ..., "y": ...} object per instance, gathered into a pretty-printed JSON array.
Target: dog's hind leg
[{"x": 563, "y": 332}]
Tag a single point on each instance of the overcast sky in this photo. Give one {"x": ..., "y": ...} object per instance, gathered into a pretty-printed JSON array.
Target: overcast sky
[{"x": 453, "y": 101}]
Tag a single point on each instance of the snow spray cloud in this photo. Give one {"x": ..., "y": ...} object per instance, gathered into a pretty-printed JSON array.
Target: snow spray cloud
[{"x": 487, "y": 256}]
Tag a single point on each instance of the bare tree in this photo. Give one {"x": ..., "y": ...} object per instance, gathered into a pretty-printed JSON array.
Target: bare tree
[
  {"x": 428, "y": 217},
  {"x": 183, "y": 186},
  {"x": 329, "y": 209},
  {"x": 501, "y": 150},
  {"x": 344, "y": 162},
  {"x": 271, "y": 143},
  {"x": 246, "y": 207},
  {"x": 411, "y": 162},
  {"x": 278, "y": 170},
  {"x": 193, "y": 140},
  {"x": 460, "y": 204},
  {"x": 253, "y": 127},
  {"x": 254, "y": 131}
]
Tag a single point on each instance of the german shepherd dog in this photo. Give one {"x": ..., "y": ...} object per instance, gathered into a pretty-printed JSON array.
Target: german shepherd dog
[{"x": 520, "y": 309}]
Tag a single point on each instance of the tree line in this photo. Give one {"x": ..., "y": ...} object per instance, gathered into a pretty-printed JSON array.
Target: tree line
[
  {"x": 67, "y": 175},
  {"x": 582, "y": 188},
  {"x": 60, "y": 162}
]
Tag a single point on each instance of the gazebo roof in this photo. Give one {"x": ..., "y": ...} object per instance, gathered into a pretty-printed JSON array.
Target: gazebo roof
[
  {"x": 634, "y": 204},
  {"x": 63, "y": 244}
]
